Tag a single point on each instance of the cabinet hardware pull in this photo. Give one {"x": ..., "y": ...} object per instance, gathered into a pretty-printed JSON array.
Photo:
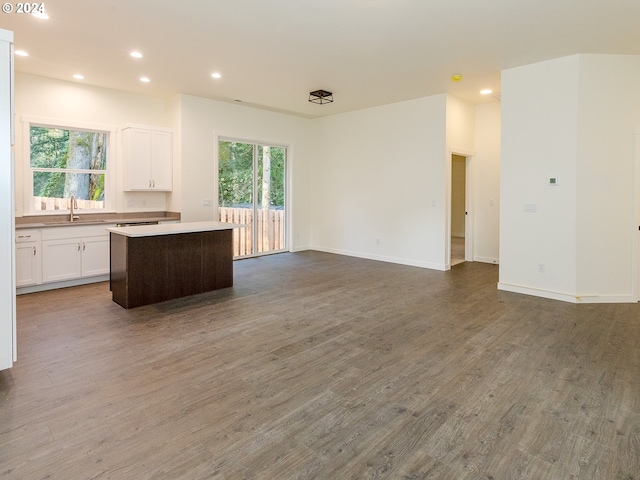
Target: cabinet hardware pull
[
  {"x": 84, "y": 246},
  {"x": 149, "y": 183},
  {"x": 24, "y": 236},
  {"x": 34, "y": 250},
  {"x": 78, "y": 246}
]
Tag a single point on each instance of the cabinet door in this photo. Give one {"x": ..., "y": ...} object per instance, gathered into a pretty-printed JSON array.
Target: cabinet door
[
  {"x": 61, "y": 260},
  {"x": 138, "y": 158},
  {"x": 161, "y": 161},
  {"x": 27, "y": 264},
  {"x": 95, "y": 256}
]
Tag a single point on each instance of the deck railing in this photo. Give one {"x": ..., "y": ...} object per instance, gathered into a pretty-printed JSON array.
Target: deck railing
[
  {"x": 270, "y": 227},
  {"x": 50, "y": 204}
]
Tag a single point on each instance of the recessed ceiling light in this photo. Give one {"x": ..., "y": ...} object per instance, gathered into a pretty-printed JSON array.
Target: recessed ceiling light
[
  {"x": 145, "y": 79},
  {"x": 136, "y": 54},
  {"x": 216, "y": 75},
  {"x": 486, "y": 91},
  {"x": 40, "y": 15},
  {"x": 21, "y": 53},
  {"x": 77, "y": 76}
]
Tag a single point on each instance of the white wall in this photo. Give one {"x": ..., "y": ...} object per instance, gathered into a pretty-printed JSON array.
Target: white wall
[
  {"x": 202, "y": 121},
  {"x": 607, "y": 232},
  {"x": 539, "y": 140},
  {"x": 486, "y": 183},
  {"x": 45, "y": 97},
  {"x": 572, "y": 118},
  {"x": 379, "y": 183}
]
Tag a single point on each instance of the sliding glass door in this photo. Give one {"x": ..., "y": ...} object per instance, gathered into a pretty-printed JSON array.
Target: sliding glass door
[{"x": 251, "y": 191}]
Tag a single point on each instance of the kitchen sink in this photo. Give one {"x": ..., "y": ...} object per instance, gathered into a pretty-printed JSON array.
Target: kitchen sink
[{"x": 90, "y": 222}]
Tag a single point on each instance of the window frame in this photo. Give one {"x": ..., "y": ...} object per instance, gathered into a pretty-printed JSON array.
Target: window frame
[
  {"x": 28, "y": 170},
  {"x": 255, "y": 181}
]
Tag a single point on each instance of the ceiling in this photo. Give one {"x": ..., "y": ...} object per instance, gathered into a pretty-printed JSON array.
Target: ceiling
[{"x": 272, "y": 53}]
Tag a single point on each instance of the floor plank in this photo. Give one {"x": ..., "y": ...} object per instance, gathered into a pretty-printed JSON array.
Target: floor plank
[{"x": 320, "y": 366}]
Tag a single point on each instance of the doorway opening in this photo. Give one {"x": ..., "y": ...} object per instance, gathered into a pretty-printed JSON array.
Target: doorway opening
[{"x": 458, "y": 208}]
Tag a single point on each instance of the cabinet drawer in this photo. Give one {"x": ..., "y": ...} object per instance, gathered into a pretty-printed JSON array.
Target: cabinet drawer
[{"x": 27, "y": 236}]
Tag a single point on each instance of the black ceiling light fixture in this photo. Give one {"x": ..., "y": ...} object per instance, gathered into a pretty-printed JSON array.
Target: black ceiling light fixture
[{"x": 320, "y": 97}]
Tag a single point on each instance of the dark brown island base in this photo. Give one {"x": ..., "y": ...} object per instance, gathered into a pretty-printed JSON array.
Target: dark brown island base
[{"x": 154, "y": 263}]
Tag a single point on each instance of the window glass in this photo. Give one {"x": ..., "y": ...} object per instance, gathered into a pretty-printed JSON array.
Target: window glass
[
  {"x": 251, "y": 192},
  {"x": 65, "y": 163}
]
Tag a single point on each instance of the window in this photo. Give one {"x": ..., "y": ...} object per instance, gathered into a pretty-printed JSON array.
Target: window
[{"x": 67, "y": 161}]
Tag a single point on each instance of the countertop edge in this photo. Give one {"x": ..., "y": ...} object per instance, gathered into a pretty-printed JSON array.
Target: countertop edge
[{"x": 172, "y": 228}]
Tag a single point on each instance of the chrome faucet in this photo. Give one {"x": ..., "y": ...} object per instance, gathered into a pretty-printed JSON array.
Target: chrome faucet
[{"x": 74, "y": 204}]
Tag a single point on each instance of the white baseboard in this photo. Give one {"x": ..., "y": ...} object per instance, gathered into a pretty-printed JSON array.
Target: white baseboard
[
  {"x": 67, "y": 283},
  {"x": 381, "y": 258},
  {"x": 566, "y": 297},
  {"x": 300, "y": 248},
  {"x": 495, "y": 261}
]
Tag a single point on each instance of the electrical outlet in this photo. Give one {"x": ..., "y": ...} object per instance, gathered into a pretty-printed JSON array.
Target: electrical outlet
[
  {"x": 207, "y": 202},
  {"x": 541, "y": 268}
]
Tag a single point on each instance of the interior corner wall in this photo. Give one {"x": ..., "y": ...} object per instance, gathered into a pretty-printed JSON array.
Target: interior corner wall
[
  {"x": 607, "y": 231},
  {"x": 539, "y": 141},
  {"x": 379, "y": 183},
  {"x": 486, "y": 169}
]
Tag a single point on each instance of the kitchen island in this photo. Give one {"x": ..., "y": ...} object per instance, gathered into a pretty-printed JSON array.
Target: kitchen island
[{"x": 154, "y": 263}]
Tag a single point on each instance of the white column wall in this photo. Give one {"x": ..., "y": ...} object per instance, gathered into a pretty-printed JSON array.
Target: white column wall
[
  {"x": 7, "y": 267},
  {"x": 572, "y": 118},
  {"x": 607, "y": 232},
  {"x": 539, "y": 140}
]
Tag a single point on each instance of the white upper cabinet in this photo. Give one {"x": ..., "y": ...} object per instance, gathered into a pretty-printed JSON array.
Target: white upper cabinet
[{"x": 148, "y": 159}]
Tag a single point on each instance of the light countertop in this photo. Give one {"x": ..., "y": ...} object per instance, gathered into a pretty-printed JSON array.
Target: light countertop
[
  {"x": 46, "y": 221},
  {"x": 172, "y": 228}
]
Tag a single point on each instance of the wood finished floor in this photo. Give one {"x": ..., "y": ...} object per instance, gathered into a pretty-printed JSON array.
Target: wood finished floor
[{"x": 319, "y": 366}]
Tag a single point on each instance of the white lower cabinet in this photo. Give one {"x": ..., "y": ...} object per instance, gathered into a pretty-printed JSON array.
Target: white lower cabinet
[
  {"x": 70, "y": 253},
  {"x": 95, "y": 256},
  {"x": 28, "y": 258},
  {"x": 66, "y": 259}
]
